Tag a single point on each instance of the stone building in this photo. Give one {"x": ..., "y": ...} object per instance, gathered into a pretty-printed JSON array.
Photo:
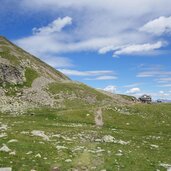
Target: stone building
[{"x": 145, "y": 98}]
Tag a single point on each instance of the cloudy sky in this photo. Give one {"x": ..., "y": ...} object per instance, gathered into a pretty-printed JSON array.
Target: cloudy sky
[{"x": 116, "y": 45}]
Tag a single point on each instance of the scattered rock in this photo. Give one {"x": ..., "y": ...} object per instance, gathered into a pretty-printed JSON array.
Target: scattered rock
[
  {"x": 13, "y": 153},
  {"x": 24, "y": 132},
  {"x": 3, "y": 127},
  {"x": 167, "y": 166},
  {"x": 30, "y": 152},
  {"x": 108, "y": 138},
  {"x": 119, "y": 154},
  {"x": 78, "y": 148},
  {"x": 38, "y": 155},
  {"x": 2, "y": 135},
  {"x": 61, "y": 147},
  {"x": 68, "y": 160},
  {"x": 121, "y": 142},
  {"x": 98, "y": 140},
  {"x": 154, "y": 146},
  {"x": 6, "y": 169},
  {"x": 40, "y": 134},
  {"x": 4, "y": 148},
  {"x": 12, "y": 140}
]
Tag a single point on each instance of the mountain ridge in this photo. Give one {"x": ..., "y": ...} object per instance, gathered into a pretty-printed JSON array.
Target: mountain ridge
[{"x": 26, "y": 82}]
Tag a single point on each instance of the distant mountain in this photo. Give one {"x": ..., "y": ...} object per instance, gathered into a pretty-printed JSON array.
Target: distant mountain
[{"x": 26, "y": 83}]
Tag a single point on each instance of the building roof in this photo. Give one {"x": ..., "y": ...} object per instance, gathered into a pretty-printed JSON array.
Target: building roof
[{"x": 145, "y": 97}]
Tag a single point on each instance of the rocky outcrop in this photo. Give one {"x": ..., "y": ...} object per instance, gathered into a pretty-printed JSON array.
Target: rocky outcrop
[
  {"x": 36, "y": 94},
  {"x": 11, "y": 74}
]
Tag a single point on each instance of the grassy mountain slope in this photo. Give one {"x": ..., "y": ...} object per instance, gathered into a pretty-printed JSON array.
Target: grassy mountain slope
[
  {"x": 26, "y": 82},
  {"x": 59, "y": 125},
  {"x": 19, "y": 57}
]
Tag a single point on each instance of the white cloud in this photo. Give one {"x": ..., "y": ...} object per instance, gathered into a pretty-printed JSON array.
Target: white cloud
[
  {"x": 138, "y": 48},
  {"x": 110, "y": 30},
  {"x": 106, "y": 49},
  {"x": 133, "y": 90},
  {"x": 132, "y": 85},
  {"x": 60, "y": 43},
  {"x": 147, "y": 74},
  {"x": 155, "y": 73},
  {"x": 100, "y": 75},
  {"x": 85, "y": 73},
  {"x": 145, "y": 48},
  {"x": 106, "y": 77},
  {"x": 115, "y": 6},
  {"x": 164, "y": 80},
  {"x": 44, "y": 36},
  {"x": 110, "y": 88},
  {"x": 165, "y": 85},
  {"x": 161, "y": 92},
  {"x": 161, "y": 77},
  {"x": 93, "y": 30},
  {"x": 56, "y": 61},
  {"x": 158, "y": 26},
  {"x": 164, "y": 94},
  {"x": 56, "y": 26}
]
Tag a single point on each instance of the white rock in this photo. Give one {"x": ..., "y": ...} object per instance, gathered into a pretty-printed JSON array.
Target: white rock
[
  {"x": 169, "y": 169},
  {"x": 118, "y": 154},
  {"x": 98, "y": 140},
  {"x": 56, "y": 135},
  {"x": 6, "y": 169},
  {"x": 59, "y": 147},
  {"x": 40, "y": 134},
  {"x": 13, "y": 153},
  {"x": 68, "y": 160},
  {"x": 78, "y": 148},
  {"x": 24, "y": 132},
  {"x": 30, "y": 152},
  {"x": 66, "y": 138},
  {"x": 38, "y": 155},
  {"x": 167, "y": 166},
  {"x": 12, "y": 140},
  {"x": 113, "y": 129},
  {"x": 3, "y": 127},
  {"x": 108, "y": 138},
  {"x": 4, "y": 148},
  {"x": 120, "y": 151},
  {"x": 121, "y": 142},
  {"x": 2, "y": 135},
  {"x": 155, "y": 146},
  {"x": 100, "y": 150}
]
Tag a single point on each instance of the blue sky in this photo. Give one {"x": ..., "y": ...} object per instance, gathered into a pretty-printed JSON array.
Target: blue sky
[{"x": 112, "y": 45}]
